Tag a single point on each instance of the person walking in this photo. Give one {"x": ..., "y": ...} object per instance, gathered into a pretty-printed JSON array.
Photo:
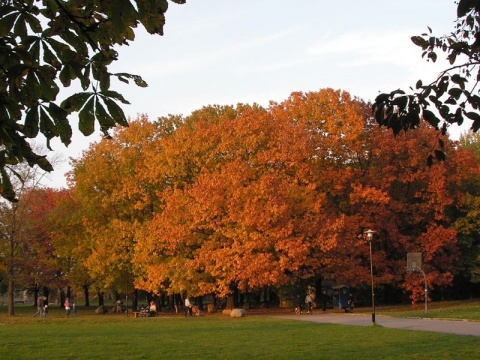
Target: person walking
[
  {"x": 188, "y": 307},
  {"x": 309, "y": 301},
  {"x": 39, "y": 308},
  {"x": 324, "y": 300},
  {"x": 45, "y": 308},
  {"x": 66, "y": 305},
  {"x": 74, "y": 310},
  {"x": 298, "y": 305},
  {"x": 351, "y": 303}
]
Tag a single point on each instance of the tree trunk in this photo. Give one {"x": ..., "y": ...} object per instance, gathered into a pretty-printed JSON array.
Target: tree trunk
[
  {"x": 86, "y": 294},
  {"x": 199, "y": 302},
  {"x": 318, "y": 289},
  {"x": 62, "y": 297},
  {"x": 232, "y": 299},
  {"x": 171, "y": 302},
  {"x": 11, "y": 285},
  {"x": 11, "y": 296},
  {"x": 135, "y": 299},
  {"x": 230, "y": 302},
  {"x": 36, "y": 291},
  {"x": 46, "y": 293},
  {"x": 101, "y": 300}
]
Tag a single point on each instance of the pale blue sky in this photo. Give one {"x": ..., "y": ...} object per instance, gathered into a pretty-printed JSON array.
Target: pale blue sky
[{"x": 227, "y": 52}]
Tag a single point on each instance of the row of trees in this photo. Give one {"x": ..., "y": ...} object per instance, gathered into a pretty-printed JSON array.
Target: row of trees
[{"x": 243, "y": 198}]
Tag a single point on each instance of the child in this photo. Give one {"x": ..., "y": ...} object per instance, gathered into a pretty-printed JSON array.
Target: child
[
  {"x": 45, "y": 310},
  {"x": 66, "y": 305}
]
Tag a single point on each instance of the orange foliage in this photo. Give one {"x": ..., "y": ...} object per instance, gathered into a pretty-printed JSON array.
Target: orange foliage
[{"x": 252, "y": 197}]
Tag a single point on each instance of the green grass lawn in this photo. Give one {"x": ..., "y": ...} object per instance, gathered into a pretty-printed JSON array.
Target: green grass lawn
[
  {"x": 464, "y": 310},
  {"x": 215, "y": 336}
]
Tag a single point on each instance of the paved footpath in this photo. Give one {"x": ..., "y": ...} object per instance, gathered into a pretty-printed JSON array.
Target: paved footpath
[{"x": 460, "y": 327}]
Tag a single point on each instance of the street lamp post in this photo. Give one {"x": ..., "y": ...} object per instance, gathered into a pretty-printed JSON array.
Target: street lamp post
[
  {"x": 369, "y": 236},
  {"x": 126, "y": 292},
  {"x": 126, "y": 279}
]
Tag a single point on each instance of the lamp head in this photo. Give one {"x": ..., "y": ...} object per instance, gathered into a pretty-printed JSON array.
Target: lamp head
[{"x": 369, "y": 234}]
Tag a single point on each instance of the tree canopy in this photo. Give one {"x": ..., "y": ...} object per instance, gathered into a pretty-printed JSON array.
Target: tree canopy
[
  {"x": 49, "y": 45},
  {"x": 245, "y": 197},
  {"x": 453, "y": 96}
]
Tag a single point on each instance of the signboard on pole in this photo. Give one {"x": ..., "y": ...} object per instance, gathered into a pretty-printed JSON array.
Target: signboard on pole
[{"x": 414, "y": 261}]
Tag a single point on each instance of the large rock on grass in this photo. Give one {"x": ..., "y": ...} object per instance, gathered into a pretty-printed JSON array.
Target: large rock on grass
[{"x": 238, "y": 313}]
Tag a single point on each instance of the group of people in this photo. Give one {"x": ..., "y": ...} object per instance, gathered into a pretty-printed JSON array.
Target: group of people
[
  {"x": 42, "y": 307},
  {"x": 67, "y": 307},
  {"x": 191, "y": 309},
  {"x": 310, "y": 301},
  {"x": 148, "y": 310}
]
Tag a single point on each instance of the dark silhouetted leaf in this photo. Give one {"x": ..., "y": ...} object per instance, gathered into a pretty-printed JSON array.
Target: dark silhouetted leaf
[
  {"x": 116, "y": 112},
  {"x": 64, "y": 129},
  {"x": 464, "y": 7},
  {"x": 105, "y": 120},
  {"x": 476, "y": 125},
  {"x": 86, "y": 117},
  {"x": 440, "y": 155},
  {"x": 6, "y": 23},
  {"x": 472, "y": 115},
  {"x": 430, "y": 160},
  {"x": 31, "y": 123},
  {"x": 76, "y": 101},
  {"x": 6, "y": 188},
  {"x": 431, "y": 118},
  {"x": 419, "y": 41},
  {"x": 455, "y": 93}
]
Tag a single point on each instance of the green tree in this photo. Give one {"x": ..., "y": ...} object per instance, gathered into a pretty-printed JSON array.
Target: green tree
[
  {"x": 50, "y": 44},
  {"x": 450, "y": 98},
  {"x": 468, "y": 206},
  {"x": 471, "y": 140},
  {"x": 68, "y": 239}
]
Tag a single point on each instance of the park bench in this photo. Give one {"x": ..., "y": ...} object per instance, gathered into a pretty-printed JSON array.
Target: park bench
[{"x": 138, "y": 314}]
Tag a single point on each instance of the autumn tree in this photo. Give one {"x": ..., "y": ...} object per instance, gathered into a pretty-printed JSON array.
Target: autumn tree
[
  {"x": 423, "y": 207},
  {"x": 372, "y": 180},
  {"x": 68, "y": 240},
  {"x": 248, "y": 209},
  {"x": 239, "y": 198},
  {"x": 337, "y": 126},
  {"x": 176, "y": 163},
  {"x": 39, "y": 266},
  {"x": 49, "y": 45},
  {"x": 108, "y": 184},
  {"x": 16, "y": 230}
]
